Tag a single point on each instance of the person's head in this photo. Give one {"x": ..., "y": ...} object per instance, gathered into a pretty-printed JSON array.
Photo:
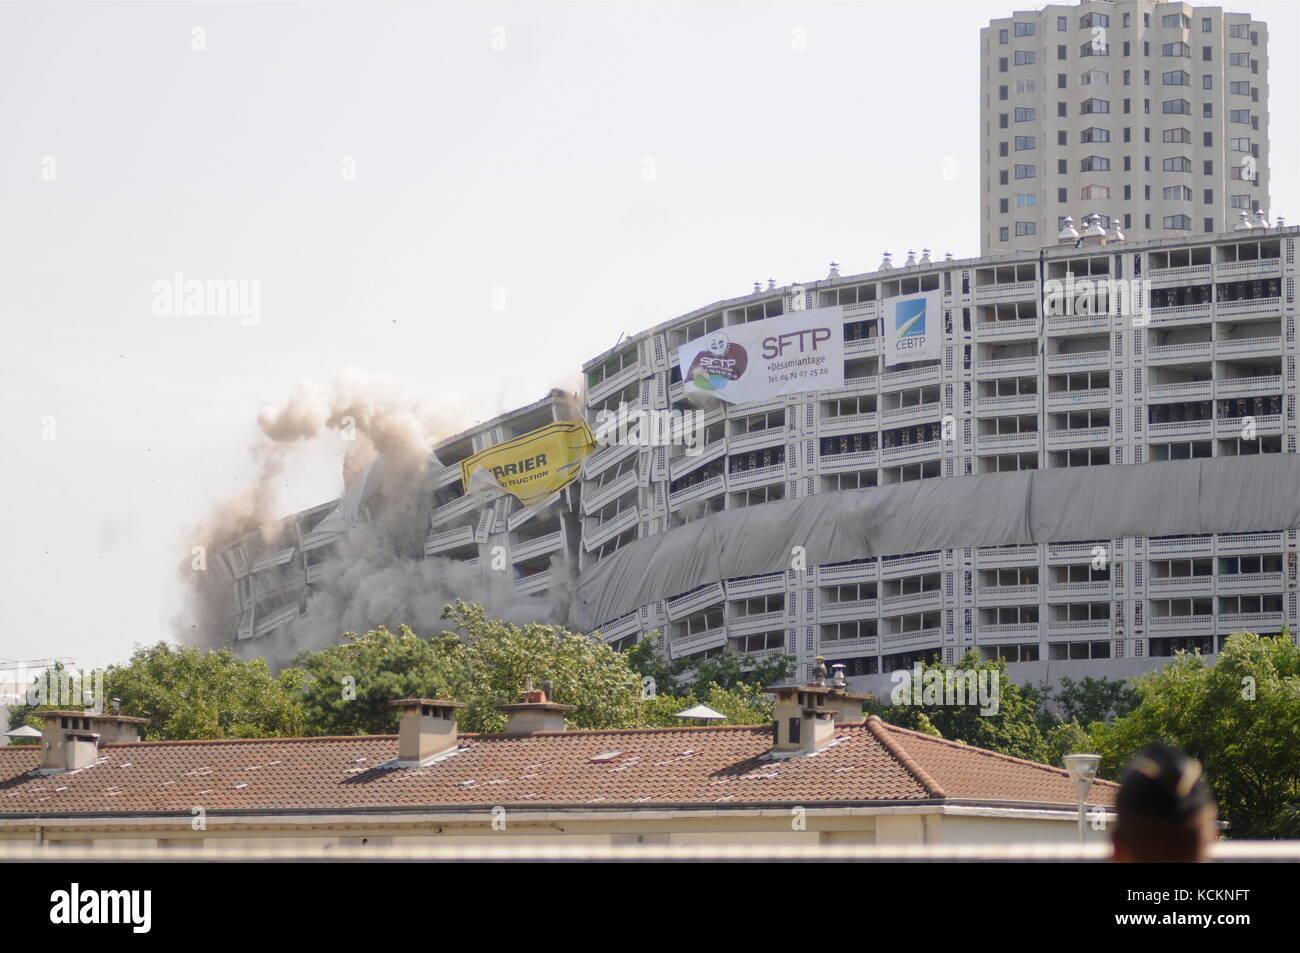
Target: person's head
[{"x": 1164, "y": 810}]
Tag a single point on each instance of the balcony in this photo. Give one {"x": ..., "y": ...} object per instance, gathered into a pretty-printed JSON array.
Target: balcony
[
  {"x": 895, "y": 567},
  {"x": 915, "y": 377},
  {"x": 699, "y": 642},
  {"x": 619, "y": 628},
  {"x": 1246, "y": 544},
  {"x": 1065, "y": 400},
  {"x": 1181, "y": 430},
  {"x": 916, "y": 414},
  {"x": 599, "y": 535},
  {"x": 1180, "y": 625},
  {"x": 848, "y": 648},
  {"x": 1249, "y": 622},
  {"x": 771, "y": 437},
  {"x": 1078, "y": 437},
  {"x": 759, "y": 476},
  {"x": 848, "y": 611},
  {"x": 1007, "y": 595},
  {"x": 1092, "y": 591},
  {"x": 1015, "y": 404},
  {"x": 849, "y": 423},
  {"x": 461, "y": 506},
  {"x": 612, "y": 385},
  {"x": 759, "y": 622},
  {"x": 1030, "y": 442},
  {"x": 1186, "y": 275},
  {"x": 527, "y": 549},
  {"x": 700, "y": 491},
  {"x": 537, "y": 582},
  {"x": 452, "y": 539},
  {"x": 1248, "y": 386},
  {"x": 1079, "y": 630},
  {"x": 1179, "y": 314},
  {"x": 1006, "y": 330},
  {"x": 1011, "y": 291},
  {"x": 912, "y": 602},
  {"x": 593, "y": 498},
  {"x": 854, "y": 387},
  {"x": 1249, "y": 582},
  {"x": 1014, "y": 632},
  {"x": 845, "y": 573},
  {"x": 1080, "y": 361},
  {"x": 862, "y": 347},
  {"x": 1181, "y": 391},
  {"x": 1248, "y": 308},
  {"x": 1183, "y": 547},
  {"x": 848, "y": 462},
  {"x": 605, "y": 457},
  {"x": 680, "y": 466},
  {"x": 1180, "y": 587},
  {"x": 1248, "y": 347},
  {"x": 1248, "y": 270},
  {"x": 1007, "y": 367},
  {"x": 1058, "y": 324},
  {"x": 1006, "y": 557},
  {"x": 911, "y": 641},
  {"x": 1058, "y": 553},
  {"x": 1197, "y": 351},
  {"x": 911, "y": 453},
  {"x": 755, "y": 586},
  {"x": 1266, "y": 425},
  {"x": 678, "y": 607}
]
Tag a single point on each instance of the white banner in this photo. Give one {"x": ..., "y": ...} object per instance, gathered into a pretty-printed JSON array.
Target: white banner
[
  {"x": 800, "y": 351},
  {"x": 914, "y": 328}
]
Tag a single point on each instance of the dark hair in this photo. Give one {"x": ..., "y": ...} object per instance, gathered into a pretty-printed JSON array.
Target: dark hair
[{"x": 1165, "y": 810}]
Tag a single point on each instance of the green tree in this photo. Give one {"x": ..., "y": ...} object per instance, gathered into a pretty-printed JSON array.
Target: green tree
[
  {"x": 1069, "y": 737},
  {"x": 728, "y": 669},
  {"x": 1093, "y": 699},
  {"x": 188, "y": 693},
  {"x": 504, "y": 658},
  {"x": 741, "y": 704},
  {"x": 1240, "y": 717},
  {"x": 1012, "y": 730},
  {"x": 349, "y": 685}
]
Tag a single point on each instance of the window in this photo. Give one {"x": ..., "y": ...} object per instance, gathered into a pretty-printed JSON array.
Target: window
[
  {"x": 1094, "y": 77},
  {"x": 1062, "y": 167},
  {"x": 1207, "y": 25},
  {"x": 1025, "y": 171},
  {"x": 1062, "y": 196},
  {"x": 1183, "y": 222},
  {"x": 1239, "y": 115},
  {"x": 1239, "y": 87},
  {"x": 1002, "y": 176},
  {"x": 1060, "y": 81},
  {"x": 1026, "y": 200},
  {"x": 1002, "y": 92},
  {"x": 1241, "y": 201},
  {"x": 1025, "y": 228},
  {"x": 1089, "y": 192},
  {"x": 1208, "y": 167},
  {"x": 1003, "y": 234},
  {"x": 1060, "y": 52},
  {"x": 1094, "y": 164},
  {"x": 1239, "y": 31},
  {"x": 1095, "y": 48},
  {"x": 1025, "y": 57},
  {"x": 1209, "y": 196},
  {"x": 1207, "y": 139},
  {"x": 1002, "y": 150},
  {"x": 1002, "y": 120},
  {"x": 1178, "y": 21},
  {"x": 1178, "y": 193},
  {"x": 1003, "y": 36},
  {"x": 1177, "y": 164},
  {"x": 1176, "y": 107},
  {"x": 1002, "y": 64},
  {"x": 1176, "y": 78},
  {"x": 1062, "y": 24},
  {"x": 1094, "y": 134},
  {"x": 1239, "y": 145},
  {"x": 1089, "y": 106},
  {"x": 1176, "y": 49},
  {"x": 1061, "y": 138},
  {"x": 1026, "y": 85},
  {"x": 1093, "y": 19},
  {"x": 1207, "y": 110},
  {"x": 1239, "y": 59},
  {"x": 1024, "y": 29},
  {"x": 1025, "y": 114},
  {"x": 1024, "y": 142},
  {"x": 1177, "y": 135},
  {"x": 1207, "y": 81},
  {"x": 1061, "y": 110}
]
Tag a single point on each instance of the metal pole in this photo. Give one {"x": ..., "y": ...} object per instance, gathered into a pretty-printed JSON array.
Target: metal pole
[{"x": 1082, "y": 807}]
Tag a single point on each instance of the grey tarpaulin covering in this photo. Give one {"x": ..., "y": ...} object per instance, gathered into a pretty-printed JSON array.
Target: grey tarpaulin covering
[{"x": 1219, "y": 495}]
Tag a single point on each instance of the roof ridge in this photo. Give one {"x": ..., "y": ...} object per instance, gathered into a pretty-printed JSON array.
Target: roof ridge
[
  {"x": 878, "y": 731},
  {"x": 989, "y": 752}
]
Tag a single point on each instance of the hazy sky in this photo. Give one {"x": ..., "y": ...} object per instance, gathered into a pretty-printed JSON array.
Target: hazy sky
[{"x": 388, "y": 173}]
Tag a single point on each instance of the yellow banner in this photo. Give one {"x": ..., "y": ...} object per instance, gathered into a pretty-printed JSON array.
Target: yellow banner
[{"x": 534, "y": 466}]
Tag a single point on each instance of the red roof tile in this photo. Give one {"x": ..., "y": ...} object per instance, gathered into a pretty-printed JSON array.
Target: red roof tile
[{"x": 867, "y": 761}]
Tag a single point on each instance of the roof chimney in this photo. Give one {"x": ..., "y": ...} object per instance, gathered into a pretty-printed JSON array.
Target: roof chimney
[
  {"x": 427, "y": 727},
  {"x": 801, "y": 719},
  {"x": 535, "y": 712},
  {"x": 71, "y": 739}
]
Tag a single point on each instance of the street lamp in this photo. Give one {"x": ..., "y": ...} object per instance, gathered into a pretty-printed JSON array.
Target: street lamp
[{"x": 1082, "y": 769}]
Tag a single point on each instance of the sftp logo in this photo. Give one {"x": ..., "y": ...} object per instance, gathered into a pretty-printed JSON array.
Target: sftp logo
[
  {"x": 909, "y": 324},
  {"x": 75, "y": 906},
  {"x": 808, "y": 339}
]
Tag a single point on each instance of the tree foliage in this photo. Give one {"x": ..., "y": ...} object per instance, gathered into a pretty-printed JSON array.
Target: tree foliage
[{"x": 1240, "y": 717}]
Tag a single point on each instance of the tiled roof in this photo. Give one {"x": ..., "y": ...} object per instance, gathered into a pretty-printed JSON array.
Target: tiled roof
[{"x": 866, "y": 761}]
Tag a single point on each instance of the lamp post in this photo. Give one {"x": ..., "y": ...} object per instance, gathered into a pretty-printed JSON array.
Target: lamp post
[{"x": 1082, "y": 769}]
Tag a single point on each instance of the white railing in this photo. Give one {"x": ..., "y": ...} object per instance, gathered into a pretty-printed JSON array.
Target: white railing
[
  {"x": 850, "y": 423},
  {"x": 1179, "y": 353},
  {"x": 441, "y": 542},
  {"x": 537, "y": 582},
  {"x": 759, "y": 476},
  {"x": 1180, "y": 314},
  {"x": 1248, "y": 306},
  {"x": 1007, "y": 367},
  {"x": 1078, "y": 437},
  {"x": 1019, "y": 403},
  {"x": 1026, "y": 594},
  {"x": 537, "y": 547},
  {"x": 699, "y": 491},
  {"x": 916, "y": 414},
  {"x": 848, "y": 611},
  {"x": 911, "y": 453},
  {"x": 1249, "y": 386},
  {"x": 1248, "y": 347},
  {"x": 1078, "y": 361},
  {"x": 1020, "y": 328}
]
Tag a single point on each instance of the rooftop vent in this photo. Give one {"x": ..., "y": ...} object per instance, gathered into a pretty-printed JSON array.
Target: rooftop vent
[
  {"x": 535, "y": 712},
  {"x": 71, "y": 739},
  {"x": 427, "y": 727}
]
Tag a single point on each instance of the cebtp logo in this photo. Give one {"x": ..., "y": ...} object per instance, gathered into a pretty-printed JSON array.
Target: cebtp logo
[
  {"x": 720, "y": 363},
  {"x": 909, "y": 318}
]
